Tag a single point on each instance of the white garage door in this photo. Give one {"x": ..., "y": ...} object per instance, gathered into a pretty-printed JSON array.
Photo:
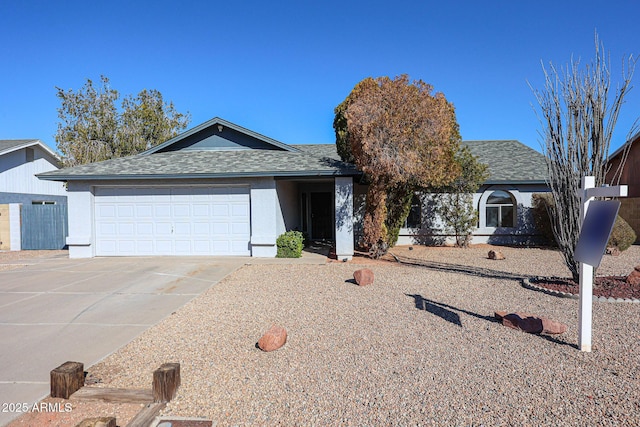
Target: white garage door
[{"x": 172, "y": 221}]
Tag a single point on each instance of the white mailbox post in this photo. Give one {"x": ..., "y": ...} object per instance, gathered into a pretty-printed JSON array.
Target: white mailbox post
[{"x": 586, "y": 270}]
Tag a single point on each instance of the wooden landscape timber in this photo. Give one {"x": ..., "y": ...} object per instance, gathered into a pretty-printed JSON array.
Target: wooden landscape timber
[{"x": 67, "y": 381}]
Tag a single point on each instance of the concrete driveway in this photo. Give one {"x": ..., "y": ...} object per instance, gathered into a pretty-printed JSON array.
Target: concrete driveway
[{"x": 56, "y": 310}]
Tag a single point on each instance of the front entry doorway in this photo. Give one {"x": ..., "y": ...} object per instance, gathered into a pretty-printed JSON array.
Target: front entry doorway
[{"x": 321, "y": 209}]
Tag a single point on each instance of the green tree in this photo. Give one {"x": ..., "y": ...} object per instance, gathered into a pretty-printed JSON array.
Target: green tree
[
  {"x": 454, "y": 202},
  {"x": 92, "y": 128},
  {"x": 403, "y": 137}
]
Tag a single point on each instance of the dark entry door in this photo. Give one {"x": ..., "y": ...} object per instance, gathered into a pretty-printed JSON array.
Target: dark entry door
[{"x": 321, "y": 216}]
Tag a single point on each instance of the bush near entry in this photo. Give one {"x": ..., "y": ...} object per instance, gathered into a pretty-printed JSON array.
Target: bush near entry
[{"x": 290, "y": 244}]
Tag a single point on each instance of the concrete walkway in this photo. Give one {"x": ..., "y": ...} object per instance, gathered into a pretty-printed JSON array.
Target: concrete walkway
[{"x": 56, "y": 309}]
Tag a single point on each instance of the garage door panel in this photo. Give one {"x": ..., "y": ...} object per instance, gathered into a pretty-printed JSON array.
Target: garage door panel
[
  {"x": 239, "y": 229},
  {"x": 181, "y": 210},
  {"x": 162, "y": 210},
  {"x": 239, "y": 246},
  {"x": 144, "y": 229},
  {"x": 108, "y": 229},
  {"x": 172, "y": 221},
  {"x": 220, "y": 210},
  {"x": 201, "y": 210},
  {"x": 183, "y": 247},
  {"x": 127, "y": 247},
  {"x": 127, "y": 228},
  {"x": 202, "y": 228},
  {"x": 144, "y": 247},
  {"x": 144, "y": 211},
  {"x": 106, "y": 211},
  {"x": 240, "y": 210},
  {"x": 163, "y": 229},
  {"x": 182, "y": 228},
  {"x": 107, "y": 246},
  {"x": 220, "y": 228},
  {"x": 163, "y": 247}
]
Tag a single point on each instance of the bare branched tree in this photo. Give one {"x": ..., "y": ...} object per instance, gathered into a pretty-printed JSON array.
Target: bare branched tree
[{"x": 578, "y": 120}]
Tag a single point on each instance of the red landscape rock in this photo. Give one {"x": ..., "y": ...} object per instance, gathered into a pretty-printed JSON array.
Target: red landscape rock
[
  {"x": 634, "y": 277},
  {"x": 530, "y": 323},
  {"x": 363, "y": 277},
  {"x": 273, "y": 339},
  {"x": 495, "y": 255},
  {"x": 552, "y": 327}
]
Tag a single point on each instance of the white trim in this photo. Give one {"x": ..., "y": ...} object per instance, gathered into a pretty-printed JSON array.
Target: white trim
[
  {"x": 482, "y": 208},
  {"x": 31, "y": 143}
]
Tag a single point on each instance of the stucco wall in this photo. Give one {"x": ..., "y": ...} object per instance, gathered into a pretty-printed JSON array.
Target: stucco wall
[
  {"x": 29, "y": 198},
  {"x": 524, "y": 231}
]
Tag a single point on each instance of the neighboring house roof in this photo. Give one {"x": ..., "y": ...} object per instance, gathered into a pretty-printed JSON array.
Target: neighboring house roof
[
  {"x": 10, "y": 145},
  {"x": 627, "y": 143},
  {"x": 510, "y": 162}
]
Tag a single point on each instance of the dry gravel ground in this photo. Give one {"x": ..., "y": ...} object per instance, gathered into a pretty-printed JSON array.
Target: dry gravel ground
[
  {"x": 10, "y": 260},
  {"x": 418, "y": 347}
]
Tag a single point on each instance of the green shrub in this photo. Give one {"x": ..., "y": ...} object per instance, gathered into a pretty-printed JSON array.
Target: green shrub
[
  {"x": 541, "y": 219},
  {"x": 290, "y": 244},
  {"x": 622, "y": 235}
]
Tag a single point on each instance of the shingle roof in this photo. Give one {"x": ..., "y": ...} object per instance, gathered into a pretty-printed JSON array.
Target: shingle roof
[
  {"x": 314, "y": 161},
  {"x": 7, "y": 145},
  {"x": 510, "y": 161}
]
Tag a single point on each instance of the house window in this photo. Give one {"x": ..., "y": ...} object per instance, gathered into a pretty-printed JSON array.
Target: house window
[
  {"x": 29, "y": 154},
  {"x": 414, "y": 219},
  {"x": 500, "y": 209}
]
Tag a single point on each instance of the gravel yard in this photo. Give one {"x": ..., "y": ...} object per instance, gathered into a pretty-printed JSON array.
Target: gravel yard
[{"x": 418, "y": 347}]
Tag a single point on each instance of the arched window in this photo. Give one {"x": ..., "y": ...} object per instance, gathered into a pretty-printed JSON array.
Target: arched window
[{"x": 500, "y": 210}]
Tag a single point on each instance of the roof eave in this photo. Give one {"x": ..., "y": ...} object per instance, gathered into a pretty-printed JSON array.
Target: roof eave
[
  {"x": 515, "y": 182},
  {"x": 631, "y": 140},
  {"x": 31, "y": 143},
  {"x": 79, "y": 177},
  {"x": 218, "y": 120}
]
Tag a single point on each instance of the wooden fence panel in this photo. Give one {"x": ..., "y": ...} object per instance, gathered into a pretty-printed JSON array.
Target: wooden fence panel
[{"x": 44, "y": 226}]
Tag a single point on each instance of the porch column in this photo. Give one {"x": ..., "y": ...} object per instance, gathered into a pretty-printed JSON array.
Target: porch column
[
  {"x": 344, "y": 217},
  {"x": 81, "y": 241},
  {"x": 264, "y": 199}
]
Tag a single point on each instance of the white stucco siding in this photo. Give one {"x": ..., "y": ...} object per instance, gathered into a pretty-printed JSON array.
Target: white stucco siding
[
  {"x": 81, "y": 240},
  {"x": 523, "y": 231},
  {"x": 18, "y": 176},
  {"x": 344, "y": 217},
  {"x": 264, "y": 218}
]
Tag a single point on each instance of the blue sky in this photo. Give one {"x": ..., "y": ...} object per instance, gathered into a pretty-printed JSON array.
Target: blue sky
[{"x": 279, "y": 68}]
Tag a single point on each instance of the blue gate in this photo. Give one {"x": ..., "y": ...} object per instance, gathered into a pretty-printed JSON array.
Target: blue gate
[{"x": 43, "y": 226}]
